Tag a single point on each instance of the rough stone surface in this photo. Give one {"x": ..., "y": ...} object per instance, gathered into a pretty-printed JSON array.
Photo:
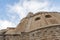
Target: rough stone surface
[{"x": 39, "y": 26}]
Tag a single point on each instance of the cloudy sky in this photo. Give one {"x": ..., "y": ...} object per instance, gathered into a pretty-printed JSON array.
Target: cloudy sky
[{"x": 12, "y": 11}]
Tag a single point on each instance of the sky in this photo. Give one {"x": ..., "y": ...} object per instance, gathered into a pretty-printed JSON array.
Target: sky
[{"x": 12, "y": 11}]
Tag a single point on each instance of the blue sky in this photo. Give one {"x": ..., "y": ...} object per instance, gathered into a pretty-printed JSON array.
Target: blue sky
[{"x": 12, "y": 11}]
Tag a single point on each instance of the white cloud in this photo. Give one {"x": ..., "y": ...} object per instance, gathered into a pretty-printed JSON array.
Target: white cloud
[
  {"x": 17, "y": 9},
  {"x": 33, "y": 6},
  {"x": 55, "y": 9},
  {"x": 23, "y": 7},
  {"x": 26, "y": 6},
  {"x": 4, "y": 24}
]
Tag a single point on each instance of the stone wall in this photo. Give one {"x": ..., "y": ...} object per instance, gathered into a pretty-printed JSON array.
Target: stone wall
[
  {"x": 39, "y": 20},
  {"x": 2, "y": 37},
  {"x": 12, "y": 37},
  {"x": 47, "y": 33}
]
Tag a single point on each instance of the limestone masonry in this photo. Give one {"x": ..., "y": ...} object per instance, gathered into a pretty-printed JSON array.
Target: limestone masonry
[{"x": 38, "y": 26}]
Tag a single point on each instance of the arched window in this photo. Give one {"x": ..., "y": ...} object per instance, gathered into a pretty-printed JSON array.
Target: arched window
[
  {"x": 48, "y": 16},
  {"x": 38, "y": 18}
]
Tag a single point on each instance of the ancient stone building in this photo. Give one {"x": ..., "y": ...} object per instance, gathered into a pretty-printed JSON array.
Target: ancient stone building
[{"x": 38, "y": 26}]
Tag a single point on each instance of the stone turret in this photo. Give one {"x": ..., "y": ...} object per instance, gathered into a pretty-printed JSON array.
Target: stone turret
[
  {"x": 30, "y": 14},
  {"x": 24, "y": 22}
]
